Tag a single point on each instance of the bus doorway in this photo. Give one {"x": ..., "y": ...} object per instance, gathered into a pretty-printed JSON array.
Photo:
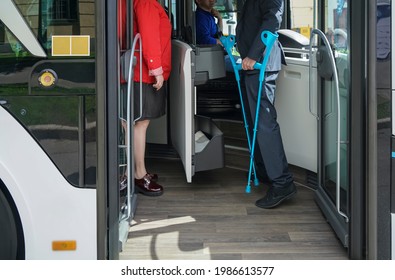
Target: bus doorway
[{"x": 322, "y": 108}]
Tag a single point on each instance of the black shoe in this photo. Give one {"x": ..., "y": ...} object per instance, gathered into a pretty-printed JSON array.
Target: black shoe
[{"x": 275, "y": 196}]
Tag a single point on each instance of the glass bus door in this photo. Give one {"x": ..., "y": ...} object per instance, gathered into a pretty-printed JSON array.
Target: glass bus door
[
  {"x": 116, "y": 198},
  {"x": 336, "y": 75},
  {"x": 332, "y": 57}
]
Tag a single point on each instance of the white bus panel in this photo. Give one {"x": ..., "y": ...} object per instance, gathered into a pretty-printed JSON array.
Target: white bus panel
[
  {"x": 49, "y": 207},
  {"x": 181, "y": 105},
  {"x": 293, "y": 103}
]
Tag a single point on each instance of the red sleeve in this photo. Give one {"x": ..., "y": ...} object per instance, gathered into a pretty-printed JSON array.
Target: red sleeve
[{"x": 148, "y": 20}]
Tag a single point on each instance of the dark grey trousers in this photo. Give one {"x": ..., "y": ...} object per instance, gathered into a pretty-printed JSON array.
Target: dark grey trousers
[{"x": 268, "y": 138}]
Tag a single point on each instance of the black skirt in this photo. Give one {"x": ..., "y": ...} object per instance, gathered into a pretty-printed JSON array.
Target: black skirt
[{"x": 153, "y": 102}]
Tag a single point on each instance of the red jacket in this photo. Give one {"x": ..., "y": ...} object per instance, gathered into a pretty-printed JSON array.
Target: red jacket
[{"x": 153, "y": 24}]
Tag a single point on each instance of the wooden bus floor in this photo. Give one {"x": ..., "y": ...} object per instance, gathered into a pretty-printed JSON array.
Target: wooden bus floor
[{"x": 213, "y": 218}]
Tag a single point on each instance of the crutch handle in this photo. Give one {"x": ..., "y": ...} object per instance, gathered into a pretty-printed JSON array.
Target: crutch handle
[
  {"x": 239, "y": 67},
  {"x": 257, "y": 66},
  {"x": 268, "y": 38},
  {"x": 228, "y": 42}
]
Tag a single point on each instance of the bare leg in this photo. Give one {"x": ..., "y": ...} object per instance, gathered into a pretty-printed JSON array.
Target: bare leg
[
  {"x": 140, "y": 130},
  {"x": 125, "y": 130}
]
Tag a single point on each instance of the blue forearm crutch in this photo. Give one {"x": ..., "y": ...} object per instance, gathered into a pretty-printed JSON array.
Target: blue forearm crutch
[
  {"x": 268, "y": 38},
  {"x": 228, "y": 42}
]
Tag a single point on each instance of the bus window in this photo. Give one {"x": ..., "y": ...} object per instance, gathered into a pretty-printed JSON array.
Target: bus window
[
  {"x": 172, "y": 7},
  {"x": 58, "y": 17},
  {"x": 9, "y": 45},
  {"x": 383, "y": 30},
  {"x": 54, "y": 97},
  {"x": 228, "y": 11},
  {"x": 302, "y": 16}
]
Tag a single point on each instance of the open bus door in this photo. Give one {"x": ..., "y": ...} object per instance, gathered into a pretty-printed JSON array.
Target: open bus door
[
  {"x": 193, "y": 65},
  {"x": 318, "y": 67},
  {"x": 60, "y": 89},
  {"x": 320, "y": 70},
  {"x": 48, "y": 119}
]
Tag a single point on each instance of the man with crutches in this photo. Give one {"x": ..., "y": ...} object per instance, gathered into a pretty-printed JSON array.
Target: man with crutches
[{"x": 257, "y": 16}]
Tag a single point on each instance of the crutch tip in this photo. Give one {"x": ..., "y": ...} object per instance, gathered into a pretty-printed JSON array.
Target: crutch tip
[
  {"x": 256, "y": 182},
  {"x": 248, "y": 189}
]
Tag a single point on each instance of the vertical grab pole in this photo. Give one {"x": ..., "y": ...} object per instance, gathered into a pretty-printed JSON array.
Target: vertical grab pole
[
  {"x": 338, "y": 139},
  {"x": 129, "y": 118}
]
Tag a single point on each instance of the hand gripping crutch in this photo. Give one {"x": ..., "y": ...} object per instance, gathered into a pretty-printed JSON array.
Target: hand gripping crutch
[{"x": 268, "y": 38}]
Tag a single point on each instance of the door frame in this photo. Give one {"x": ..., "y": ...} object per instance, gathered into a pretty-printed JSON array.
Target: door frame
[
  {"x": 107, "y": 75},
  {"x": 358, "y": 24}
]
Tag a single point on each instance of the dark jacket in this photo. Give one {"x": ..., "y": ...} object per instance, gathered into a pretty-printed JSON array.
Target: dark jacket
[{"x": 256, "y": 16}]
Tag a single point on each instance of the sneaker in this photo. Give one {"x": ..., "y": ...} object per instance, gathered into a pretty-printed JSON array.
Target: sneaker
[{"x": 275, "y": 196}]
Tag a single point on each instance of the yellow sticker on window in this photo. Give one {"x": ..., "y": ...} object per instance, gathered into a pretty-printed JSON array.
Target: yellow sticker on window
[
  {"x": 71, "y": 45},
  {"x": 61, "y": 45}
]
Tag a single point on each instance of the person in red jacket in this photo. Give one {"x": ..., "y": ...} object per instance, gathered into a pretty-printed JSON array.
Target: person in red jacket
[{"x": 152, "y": 23}]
